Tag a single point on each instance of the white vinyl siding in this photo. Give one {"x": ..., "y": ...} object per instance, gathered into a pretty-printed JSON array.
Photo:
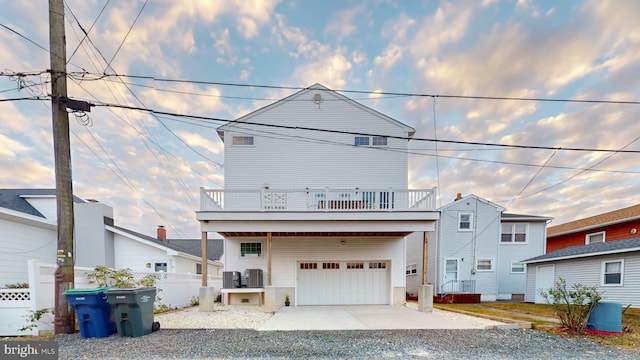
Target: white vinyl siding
[{"x": 291, "y": 160}]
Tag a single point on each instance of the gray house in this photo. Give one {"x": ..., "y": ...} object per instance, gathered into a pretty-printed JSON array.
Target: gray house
[
  {"x": 612, "y": 267},
  {"x": 477, "y": 248}
]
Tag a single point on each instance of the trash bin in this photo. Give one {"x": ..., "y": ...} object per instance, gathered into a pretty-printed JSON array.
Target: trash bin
[
  {"x": 133, "y": 310},
  {"x": 605, "y": 319},
  {"x": 94, "y": 314}
]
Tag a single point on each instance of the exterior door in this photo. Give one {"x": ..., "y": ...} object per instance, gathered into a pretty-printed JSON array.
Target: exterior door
[
  {"x": 450, "y": 275},
  {"x": 545, "y": 279}
]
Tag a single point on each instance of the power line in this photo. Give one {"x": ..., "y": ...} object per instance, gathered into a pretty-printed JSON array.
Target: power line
[
  {"x": 86, "y": 33},
  {"x": 365, "y": 134},
  {"x": 126, "y": 35}
]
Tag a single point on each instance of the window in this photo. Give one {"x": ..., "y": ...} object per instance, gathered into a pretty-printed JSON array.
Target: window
[
  {"x": 361, "y": 141},
  {"x": 464, "y": 222},
  {"x": 308, "y": 266},
  {"x": 199, "y": 269},
  {"x": 514, "y": 233},
  {"x": 331, "y": 266},
  {"x": 517, "y": 268},
  {"x": 594, "y": 238},
  {"x": 160, "y": 267},
  {"x": 242, "y": 141},
  {"x": 612, "y": 272},
  {"x": 484, "y": 265},
  {"x": 355, "y": 265},
  {"x": 250, "y": 249},
  {"x": 412, "y": 269},
  {"x": 379, "y": 141},
  {"x": 377, "y": 265}
]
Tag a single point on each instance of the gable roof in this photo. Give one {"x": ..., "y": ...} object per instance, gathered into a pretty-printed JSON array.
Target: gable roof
[
  {"x": 246, "y": 118},
  {"x": 13, "y": 199},
  {"x": 603, "y": 248},
  {"x": 477, "y": 198},
  {"x": 166, "y": 244},
  {"x": 608, "y": 218}
]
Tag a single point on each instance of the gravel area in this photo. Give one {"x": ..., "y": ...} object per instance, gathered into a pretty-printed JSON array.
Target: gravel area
[{"x": 229, "y": 333}]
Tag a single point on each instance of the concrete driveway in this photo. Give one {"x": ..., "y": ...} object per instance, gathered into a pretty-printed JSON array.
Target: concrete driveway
[{"x": 364, "y": 317}]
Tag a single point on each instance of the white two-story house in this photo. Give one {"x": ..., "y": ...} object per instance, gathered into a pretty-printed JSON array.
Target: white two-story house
[
  {"x": 477, "y": 248},
  {"x": 316, "y": 202}
]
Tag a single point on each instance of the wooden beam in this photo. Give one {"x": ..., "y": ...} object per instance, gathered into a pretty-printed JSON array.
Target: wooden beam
[
  {"x": 425, "y": 257},
  {"x": 269, "y": 258},
  {"x": 204, "y": 259}
]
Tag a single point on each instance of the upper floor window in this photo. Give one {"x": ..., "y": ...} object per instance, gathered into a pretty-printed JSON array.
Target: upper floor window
[
  {"x": 379, "y": 141},
  {"x": 594, "y": 238},
  {"x": 612, "y": 272},
  {"x": 514, "y": 233},
  {"x": 242, "y": 141},
  {"x": 250, "y": 249},
  {"x": 464, "y": 222},
  {"x": 361, "y": 141}
]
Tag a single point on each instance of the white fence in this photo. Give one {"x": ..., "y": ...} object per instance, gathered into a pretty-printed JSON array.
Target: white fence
[{"x": 16, "y": 305}]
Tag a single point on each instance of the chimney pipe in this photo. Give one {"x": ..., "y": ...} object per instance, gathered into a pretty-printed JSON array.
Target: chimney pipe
[
  {"x": 458, "y": 197},
  {"x": 162, "y": 233}
]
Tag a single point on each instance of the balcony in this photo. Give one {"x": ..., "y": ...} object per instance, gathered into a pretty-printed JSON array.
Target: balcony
[{"x": 317, "y": 200}]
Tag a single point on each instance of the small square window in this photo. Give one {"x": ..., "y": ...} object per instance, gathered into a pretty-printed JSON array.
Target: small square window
[
  {"x": 517, "y": 268},
  {"x": 379, "y": 141},
  {"x": 484, "y": 265},
  {"x": 412, "y": 269},
  {"x": 250, "y": 249},
  {"x": 242, "y": 141},
  {"x": 361, "y": 141}
]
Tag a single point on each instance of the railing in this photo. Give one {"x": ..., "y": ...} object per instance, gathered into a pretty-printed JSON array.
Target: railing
[
  {"x": 327, "y": 199},
  {"x": 458, "y": 287}
]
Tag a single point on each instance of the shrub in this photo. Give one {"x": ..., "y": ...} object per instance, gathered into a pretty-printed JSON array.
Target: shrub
[
  {"x": 573, "y": 306},
  {"x": 17, "y": 286}
]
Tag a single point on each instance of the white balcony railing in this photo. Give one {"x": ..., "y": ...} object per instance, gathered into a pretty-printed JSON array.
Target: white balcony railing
[{"x": 317, "y": 199}]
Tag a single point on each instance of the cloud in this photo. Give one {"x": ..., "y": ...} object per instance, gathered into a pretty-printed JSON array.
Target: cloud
[
  {"x": 389, "y": 57},
  {"x": 342, "y": 23}
]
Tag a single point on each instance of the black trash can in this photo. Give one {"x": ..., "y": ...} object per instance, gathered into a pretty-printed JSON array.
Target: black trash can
[{"x": 133, "y": 310}]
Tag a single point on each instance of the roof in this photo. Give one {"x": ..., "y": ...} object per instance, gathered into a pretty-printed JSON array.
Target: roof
[
  {"x": 603, "y": 248},
  {"x": 478, "y": 198},
  {"x": 521, "y": 217},
  {"x": 215, "y": 247},
  {"x": 609, "y": 218},
  {"x": 173, "y": 244},
  {"x": 13, "y": 199},
  {"x": 411, "y": 131}
]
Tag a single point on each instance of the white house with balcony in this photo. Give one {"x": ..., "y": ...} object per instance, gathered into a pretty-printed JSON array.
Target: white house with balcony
[
  {"x": 316, "y": 203},
  {"x": 476, "y": 252}
]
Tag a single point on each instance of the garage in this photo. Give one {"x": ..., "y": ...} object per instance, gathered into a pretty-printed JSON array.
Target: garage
[{"x": 343, "y": 282}]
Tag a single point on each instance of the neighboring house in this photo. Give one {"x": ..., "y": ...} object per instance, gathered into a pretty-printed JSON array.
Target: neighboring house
[
  {"x": 316, "y": 202},
  {"x": 28, "y": 231},
  {"x": 477, "y": 248},
  {"x": 611, "y": 226},
  {"x": 612, "y": 267}
]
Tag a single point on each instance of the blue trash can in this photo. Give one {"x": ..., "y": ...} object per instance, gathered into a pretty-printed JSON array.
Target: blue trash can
[
  {"x": 606, "y": 319},
  {"x": 94, "y": 314}
]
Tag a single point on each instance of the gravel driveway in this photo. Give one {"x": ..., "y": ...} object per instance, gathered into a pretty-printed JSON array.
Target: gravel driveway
[
  {"x": 229, "y": 333},
  {"x": 356, "y": 344}
]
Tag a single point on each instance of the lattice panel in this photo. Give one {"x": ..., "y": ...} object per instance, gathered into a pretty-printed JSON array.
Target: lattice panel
[{"x": 15, "y": 296}]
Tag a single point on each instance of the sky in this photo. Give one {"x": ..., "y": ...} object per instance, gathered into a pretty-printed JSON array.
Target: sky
[{"x": 459, "y": 66}]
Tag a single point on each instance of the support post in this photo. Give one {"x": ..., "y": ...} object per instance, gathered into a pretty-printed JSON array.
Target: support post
[
  {"x": 269, "y": 258},
  {"x": 205, "y": 269},
  {"x": 64, "y": 322},
  {"x": 425, "y": 257}
]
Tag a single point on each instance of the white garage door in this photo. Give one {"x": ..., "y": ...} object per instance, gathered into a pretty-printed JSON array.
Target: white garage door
[
  {"x": 343, "y": 282},
  {"x": 545, "y": 280}
]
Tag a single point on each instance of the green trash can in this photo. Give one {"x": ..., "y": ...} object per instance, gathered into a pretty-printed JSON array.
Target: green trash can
[{"x": 133, "y": 310}]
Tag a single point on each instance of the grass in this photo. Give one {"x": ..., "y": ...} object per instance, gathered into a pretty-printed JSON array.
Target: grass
[{"x": 520, "y": 311}]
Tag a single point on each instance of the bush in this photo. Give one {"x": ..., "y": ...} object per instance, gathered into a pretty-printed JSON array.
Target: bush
[
  {"x": 573, "y": 306},
  {"x": 17, "y": 286}
]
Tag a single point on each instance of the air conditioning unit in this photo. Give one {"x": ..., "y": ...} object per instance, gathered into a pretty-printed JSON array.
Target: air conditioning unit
[
  {"x": 254, "y": 278},
  {"x": 231, "y": 279}
]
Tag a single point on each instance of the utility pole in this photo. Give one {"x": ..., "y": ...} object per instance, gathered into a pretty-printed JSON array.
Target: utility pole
[{"x": 64, "y": 316}]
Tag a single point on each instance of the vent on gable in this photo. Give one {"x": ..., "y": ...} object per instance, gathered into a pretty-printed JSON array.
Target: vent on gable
[{"x": 317, "y": 99}]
